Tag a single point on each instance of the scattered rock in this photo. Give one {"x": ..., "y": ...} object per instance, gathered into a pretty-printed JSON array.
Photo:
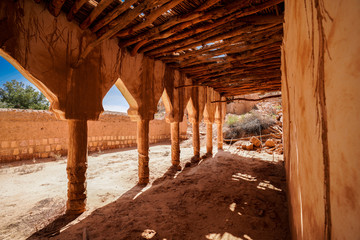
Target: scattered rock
[
  {"x": 270, "y": 143},
  {"x": 255, "y": 141},
  {"x": 148, "y": 234},
  {"x": 249, "y": 146},
  {"x": 269, "y": 151}
]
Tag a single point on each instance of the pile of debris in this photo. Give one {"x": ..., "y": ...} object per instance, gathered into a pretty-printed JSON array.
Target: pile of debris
[
  {"x": 271, "y": 145},
  {"x": 268, "y": 115}
]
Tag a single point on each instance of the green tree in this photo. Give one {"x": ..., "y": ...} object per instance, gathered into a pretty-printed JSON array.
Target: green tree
[{"x": 15, "y": 94}]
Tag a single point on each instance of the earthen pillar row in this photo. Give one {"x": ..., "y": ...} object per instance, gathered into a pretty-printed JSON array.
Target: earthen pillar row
[
  {"x": 209, "y": 144},
  {"x": 195, "y": 110},
  {"x": 220, "y": 138},
  {"x": 77, "y": 166},
  {"x": 219, "y": 120},
  {"x": 209, "y": 118},
  {"x": 143, "y": 150},
  {"x": 175, "y": 144},
  {"x": 196, "y": 138}
]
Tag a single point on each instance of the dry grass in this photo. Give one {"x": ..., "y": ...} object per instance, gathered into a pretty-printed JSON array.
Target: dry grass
[{"x": 251, "y": 123}]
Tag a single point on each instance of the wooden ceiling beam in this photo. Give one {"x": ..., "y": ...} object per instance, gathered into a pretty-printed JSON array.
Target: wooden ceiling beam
[
  {"x": 95, "y": 13},
  {"x": 188, "y": 19},
  {"x": 245, "y": 69},
  {"x": 250, "y": 52},
  {"x": 166, "y": 35},
  {"x": 75, "y": 8},
  {"x": 124, "y": 20},
  {"x": 218, "y": 13},
  {"x": 195, "y": 18},
  {"x": 231, "y": 43},
  {"x": 244, "y": 77},
  {"x": 239, "y": 92},
  {"x": 268, "y": 85},
  {"x": 55, "y": 7},
  {"x": 150, "y": 18},
  {"x": 205, "y": 38},
  {"x": 227, "y": 73},
  {"x": 251, "y": 83},
  {"x": 222, "y": 76},
  {"x": 189, "y": 36},
  {"x": 113, "y": 14}
]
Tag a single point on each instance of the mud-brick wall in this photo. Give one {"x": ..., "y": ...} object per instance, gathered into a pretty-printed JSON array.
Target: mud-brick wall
[
  {"x": 28, "y": 134},
  {"x": 321, "y": 105}
]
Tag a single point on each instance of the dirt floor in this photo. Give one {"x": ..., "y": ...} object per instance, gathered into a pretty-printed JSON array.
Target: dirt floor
[{"x": 225, "y": 197}]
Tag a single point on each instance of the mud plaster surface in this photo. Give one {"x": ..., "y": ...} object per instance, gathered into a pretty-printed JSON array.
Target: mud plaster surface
[{"x": 225, "y": 197}]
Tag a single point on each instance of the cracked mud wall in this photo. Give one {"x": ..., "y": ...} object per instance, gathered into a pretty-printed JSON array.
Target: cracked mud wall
[{"x": 320, "y": 88}]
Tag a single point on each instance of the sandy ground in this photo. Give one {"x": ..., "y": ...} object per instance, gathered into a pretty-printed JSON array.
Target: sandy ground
[{"x": 225, "y": 197}]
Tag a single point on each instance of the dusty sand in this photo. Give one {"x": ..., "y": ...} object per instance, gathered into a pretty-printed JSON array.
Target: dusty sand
[{"x": 225, "y": 197}]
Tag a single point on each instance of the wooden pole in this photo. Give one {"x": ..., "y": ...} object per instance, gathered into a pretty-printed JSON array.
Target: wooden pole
[
  {"x": 143, "y": 150},
  {"x": 209, "y": 145},
  {"x": 76, "y": 166},
  {"x": 175, "y": 144}
]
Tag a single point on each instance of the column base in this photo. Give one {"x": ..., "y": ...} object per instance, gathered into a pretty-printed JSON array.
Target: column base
[{"x": 195, "y": 159}]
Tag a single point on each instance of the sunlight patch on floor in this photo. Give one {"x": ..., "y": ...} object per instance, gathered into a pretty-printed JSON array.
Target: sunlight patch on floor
[
  {"x": 267, "y": 185},
  {"x": 226, "y": 236},
  {"x": 246, "y": 177}
]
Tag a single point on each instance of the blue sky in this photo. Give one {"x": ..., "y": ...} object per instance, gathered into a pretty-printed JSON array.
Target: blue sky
[{"x": 113, "y": 101}]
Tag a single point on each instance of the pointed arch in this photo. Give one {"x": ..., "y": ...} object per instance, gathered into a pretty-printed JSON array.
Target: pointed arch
[
  {"x": 168, "y": 106},
  {"x": 50, "y": 96},
  {"x": 134, "y": 107}
]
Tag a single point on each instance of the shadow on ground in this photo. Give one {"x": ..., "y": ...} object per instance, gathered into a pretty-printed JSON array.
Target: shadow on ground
[{"x": 225, "y": 197}]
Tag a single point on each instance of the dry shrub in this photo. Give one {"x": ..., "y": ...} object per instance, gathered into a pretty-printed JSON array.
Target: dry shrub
[{"x": 249, "y": 124}]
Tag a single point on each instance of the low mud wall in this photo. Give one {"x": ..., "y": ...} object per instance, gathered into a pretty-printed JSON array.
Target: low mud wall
[{"x": 29, "y": 134}]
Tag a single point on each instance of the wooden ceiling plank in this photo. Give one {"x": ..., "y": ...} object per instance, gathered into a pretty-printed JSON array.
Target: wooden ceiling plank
[
  {"x": 181, "y": 23},
  {"x": 248, "y": 53},
  {"x": 228, "y": 43},
  {"x": 113, "y": 14},
  {"x": 122, "y": 22},
  {"x": 150, "y": 18},
  {"x": 205, "y": 39},
  {"x": 214, "y": 14},
  {"x": 95, "y": 13}
]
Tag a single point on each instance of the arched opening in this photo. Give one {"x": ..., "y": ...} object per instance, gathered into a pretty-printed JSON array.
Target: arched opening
[
  {"x": 114, "y": 101},
  {"x": 17, "y": 91},
  {"x": 165, "y": 100},
  {"x": 12, "y": 68},
  {"x": 133, "y": 106}
]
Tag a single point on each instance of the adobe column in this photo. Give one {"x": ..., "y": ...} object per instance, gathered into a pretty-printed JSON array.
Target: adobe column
[
  {"x": 175, "y": 144},
  {"x": 220, "y": 138},
  {"x": 143, "y": 150},
  {"x": 196, "y": 139},
  {"x": 209, "y": 144},
  {"x": 219, "y": 119},
  {"x": 77, "y": 166}
]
